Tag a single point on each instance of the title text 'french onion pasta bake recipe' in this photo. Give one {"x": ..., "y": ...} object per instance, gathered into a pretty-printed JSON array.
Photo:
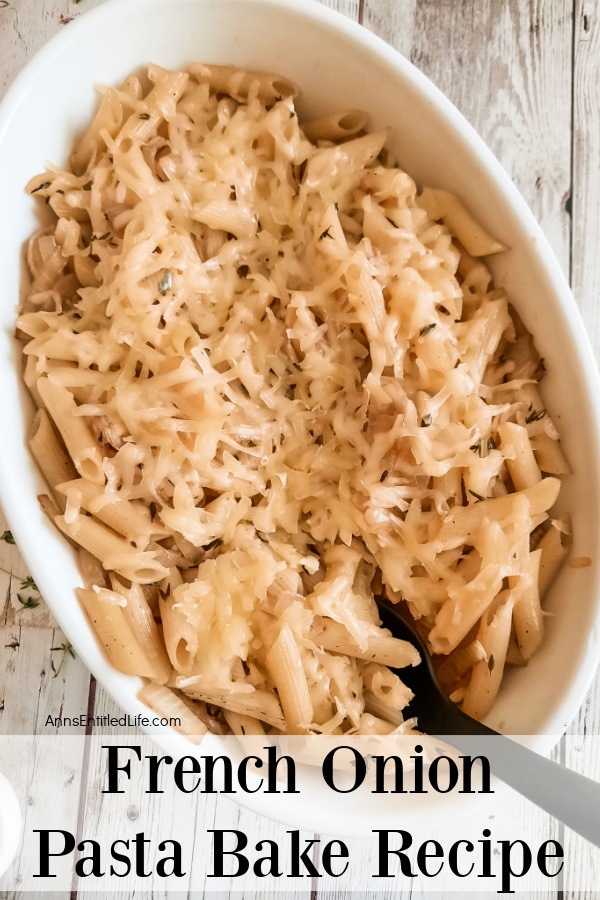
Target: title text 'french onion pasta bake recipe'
[{"x": 275, "y": 381}]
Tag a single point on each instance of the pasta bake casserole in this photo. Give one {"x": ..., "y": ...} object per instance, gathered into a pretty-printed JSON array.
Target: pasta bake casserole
[{"x": 275, "y": 381}]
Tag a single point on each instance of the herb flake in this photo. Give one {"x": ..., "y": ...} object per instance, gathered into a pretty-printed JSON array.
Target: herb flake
[
  {"x": 426, "y": 329},
  {"x": 535, "y": 416},
  {"x": 7, "y": 537},
  {"x": 41, "y": 187},
  {"x": 326, "y": 234},
  {"x": 477, "y": 496},
  {"x": 65, "y": 648}
]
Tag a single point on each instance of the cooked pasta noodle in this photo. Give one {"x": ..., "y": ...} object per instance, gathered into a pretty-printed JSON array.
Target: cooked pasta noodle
[{"x": 285, "y": 383}]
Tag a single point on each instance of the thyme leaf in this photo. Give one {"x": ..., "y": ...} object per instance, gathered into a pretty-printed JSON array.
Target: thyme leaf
[
  {"x": 535, "y": 416},
  {"x": 426, "y": 329},
  {"x": 28, "y": 584},
  {"x": 28, "y": 602},
  {"x": 7, "y": 537},
  {"x": 65, "y": 648},
  {"x": 477, "y": 496}
]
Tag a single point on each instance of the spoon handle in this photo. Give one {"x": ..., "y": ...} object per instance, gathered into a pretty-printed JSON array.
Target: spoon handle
[{"x": 569, "y": 797}]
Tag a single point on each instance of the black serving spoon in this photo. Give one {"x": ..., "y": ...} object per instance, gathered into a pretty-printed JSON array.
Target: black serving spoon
[{"x": 569, "y": 797}]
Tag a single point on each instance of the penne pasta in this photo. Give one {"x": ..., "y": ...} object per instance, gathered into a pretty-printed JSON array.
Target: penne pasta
[
  {"x": 49, "y": 454},
  {"x": 243, "y": 725},
  {"x": 463, "y": 522},
  {"x": 256, "y": 704},
  {"x": 91, "y": 570},
  {"x": 527, "y": 611},
  {"x": 447, "y": 206},
  {"x": 285, "y": 667},
  {"x": 148, "y": 633},
  {"x": 181, "y": 638},
  {"x": 163, "y": 701},
  {"x": 112, "y": 550},
  {"x": 459, "y": 661},
  {"x": 493, "y": 635},
  {"x": 384, "y": 648},
  {"x": 519, "y": 455},
  {"x": 549, "y": 455},
  {"x": 240, "y": 83},
  {"x": 73, "y": 429},
  {"x": 128, "y": 518},
  {"x": 337, "y": 126},
  {"x": 555, "y": 547},
  {"x": 116, "y": 634}
]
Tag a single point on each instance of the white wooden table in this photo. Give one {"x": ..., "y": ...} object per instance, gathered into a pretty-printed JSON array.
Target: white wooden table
[{"x": 526, "y": 73}]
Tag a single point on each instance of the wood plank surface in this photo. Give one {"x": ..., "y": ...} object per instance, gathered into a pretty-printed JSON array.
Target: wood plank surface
[
  {"x": 526, "y": 74},
  {"x": 585, "y": 278}
]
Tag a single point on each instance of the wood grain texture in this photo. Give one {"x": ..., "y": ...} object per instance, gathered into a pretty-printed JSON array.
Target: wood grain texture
[
  {"x": 507, "y": 65},
  {"x": 30, "y": 691},
  {"x": 585, "y": 277},
  {"x": 46, "y": 777},
  {"x": 25, "y": 26},
  {"x": 586, "y": 165},
  {"x": 350, "y": 8},
  {"x": 503, "y": 65},
  {"x": 393, "y": 22}
]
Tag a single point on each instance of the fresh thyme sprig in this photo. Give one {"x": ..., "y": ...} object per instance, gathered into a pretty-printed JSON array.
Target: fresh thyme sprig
[
  {"x": 27, "y": 600},
  {"x": 65, "y": 648}
]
